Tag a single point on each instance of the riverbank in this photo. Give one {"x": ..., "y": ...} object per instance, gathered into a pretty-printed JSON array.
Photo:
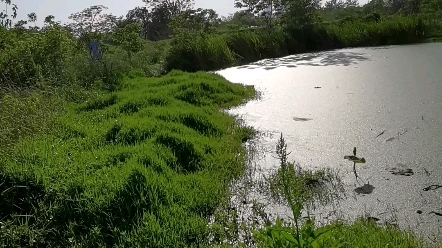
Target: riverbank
[
  {"x": 144, "y": 166},
  {"x": 148, "y": 165},
  {"x": 214, "y": 52}
]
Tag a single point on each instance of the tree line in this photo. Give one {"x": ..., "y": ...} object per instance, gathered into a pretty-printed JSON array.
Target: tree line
[{"x": 162, "y": 19}]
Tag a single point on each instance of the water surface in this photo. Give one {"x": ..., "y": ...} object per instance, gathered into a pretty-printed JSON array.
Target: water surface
[{"x": 385, "y": 101}]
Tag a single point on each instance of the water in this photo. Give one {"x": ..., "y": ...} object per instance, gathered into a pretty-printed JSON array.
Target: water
[{"x": 327, "y": 103}]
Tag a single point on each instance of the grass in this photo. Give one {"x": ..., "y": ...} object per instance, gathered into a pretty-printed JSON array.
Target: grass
[
  {"x": 360, "y": 234},
  {"x": 149, "y": 166},
  {"x": 144, "y": 166},
  {"x": 243, "y": 46},
  {"x": 146, "y": 161},
  {"x": 366, "y": 233},
  {"x": 23, "y": 116}
]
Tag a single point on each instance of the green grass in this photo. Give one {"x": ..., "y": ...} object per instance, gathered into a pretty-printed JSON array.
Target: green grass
[
  {"x": 22, "y": 116},
  {"x": 144, "y": 166},
  {"x": 367, "y": 234},
  {"x": 360, "y": 234},
  {"x": 243, "y": 46}
]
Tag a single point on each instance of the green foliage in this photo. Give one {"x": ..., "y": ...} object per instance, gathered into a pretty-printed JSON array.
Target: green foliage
[
  {"x": 362, "y": 233},
  {"x": 296, "y": 188},
  {"x": 192, "y": 53},
  {"x": 128, "y": 38},
  {"x": 145, "y": 166},
  {"x": 5, "y": 18},
  {"x": 280, "y": 235},
  {"x": 367, "y": 233},
  {"x": 55, "y": 58},
  {"x": 22, "y": 117},
  {"x": 199, "y": 53},
  {"x": 29, "y": 58},
  {"x": 95, "y": 155},
  {"x": 199, "y": 22}
]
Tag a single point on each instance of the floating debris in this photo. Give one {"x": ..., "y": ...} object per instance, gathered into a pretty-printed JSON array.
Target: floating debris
[
  {"x": 355, "y": 161},
  {"x": 436, "y": 213},
  {"x": 301, "y": 119},
  {"x": 317, "y": 87},
  {"x": 373, "y": 218},
  {"x": 397, "y": 137},
  {"x": 401, "y": 172},
  {"x": 380, "y": 134},
  {"x": 432, "y": 187}
]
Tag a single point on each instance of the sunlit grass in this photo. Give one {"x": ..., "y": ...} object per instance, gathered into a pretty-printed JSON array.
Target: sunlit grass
[{"x": 143, "y": 166}]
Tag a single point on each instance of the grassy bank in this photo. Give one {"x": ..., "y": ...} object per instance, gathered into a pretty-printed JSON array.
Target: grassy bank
[
  {"x": 94, "y": 154},
  {"x": 144, "y": 166},
  {"x": 244, "y": 46}
]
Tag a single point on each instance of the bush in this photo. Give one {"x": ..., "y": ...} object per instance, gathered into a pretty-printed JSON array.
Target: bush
[{"x": 234, "y": 47}]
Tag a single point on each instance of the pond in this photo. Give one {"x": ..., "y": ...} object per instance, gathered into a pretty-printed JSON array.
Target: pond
[{"x": 386, "y": 101}]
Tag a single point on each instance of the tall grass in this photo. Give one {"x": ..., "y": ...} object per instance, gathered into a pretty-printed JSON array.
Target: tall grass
[
  {"x": 141, "y": 167},
  {"x": 23, "y": 116},
  {"x": 248, "y": 45}
]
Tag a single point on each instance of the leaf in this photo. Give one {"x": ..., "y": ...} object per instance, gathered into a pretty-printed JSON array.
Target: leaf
[
  {"x": 360, "y": 161},
  {"x": 276, "y": 234},
  {"x": 111, "y": 42},
  {"x": 289, "y": 237},
  {"x": 324, "y": 229},
  {"x": 297, "y": 209}
]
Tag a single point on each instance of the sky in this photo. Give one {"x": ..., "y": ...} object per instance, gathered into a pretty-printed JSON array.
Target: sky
[{"x": 61, "y": 9}]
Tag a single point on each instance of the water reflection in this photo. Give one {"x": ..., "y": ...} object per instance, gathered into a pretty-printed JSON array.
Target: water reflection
[
  {"x": 363, "y": 95},
  {"x": 336, "y": 58}
]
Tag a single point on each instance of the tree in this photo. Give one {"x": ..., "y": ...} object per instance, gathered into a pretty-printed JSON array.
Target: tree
[
  {"x": 243, "y": 17},
  {"x": 49, "y": 19},
  {"x": 139, "y": 15},
  {"x": 32, "y": 17},
  {"x": 5, "y": 20},
  {"x": 128, "y": 38},
  {"x": 298, "y": 12},
  {"x": 264, "y": 9},
  {"x": 20, "y": 24},
  {"x": 161, "y": 13},
  {"x": 200, "y": 20},
  {"x": 252, "y": 6},
  {"x": 432, "y": 9},
  {"x": 334, "y": 5},
  {"x": 92, "y": 21},
  {"x": 172, "y": 8},
  {"x": 49, "y": 23}
]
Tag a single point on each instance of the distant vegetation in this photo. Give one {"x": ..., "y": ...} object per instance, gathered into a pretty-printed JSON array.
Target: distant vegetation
[
  {"x": 170, "y": 34},
  {"x": 133, "y": 150}
]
